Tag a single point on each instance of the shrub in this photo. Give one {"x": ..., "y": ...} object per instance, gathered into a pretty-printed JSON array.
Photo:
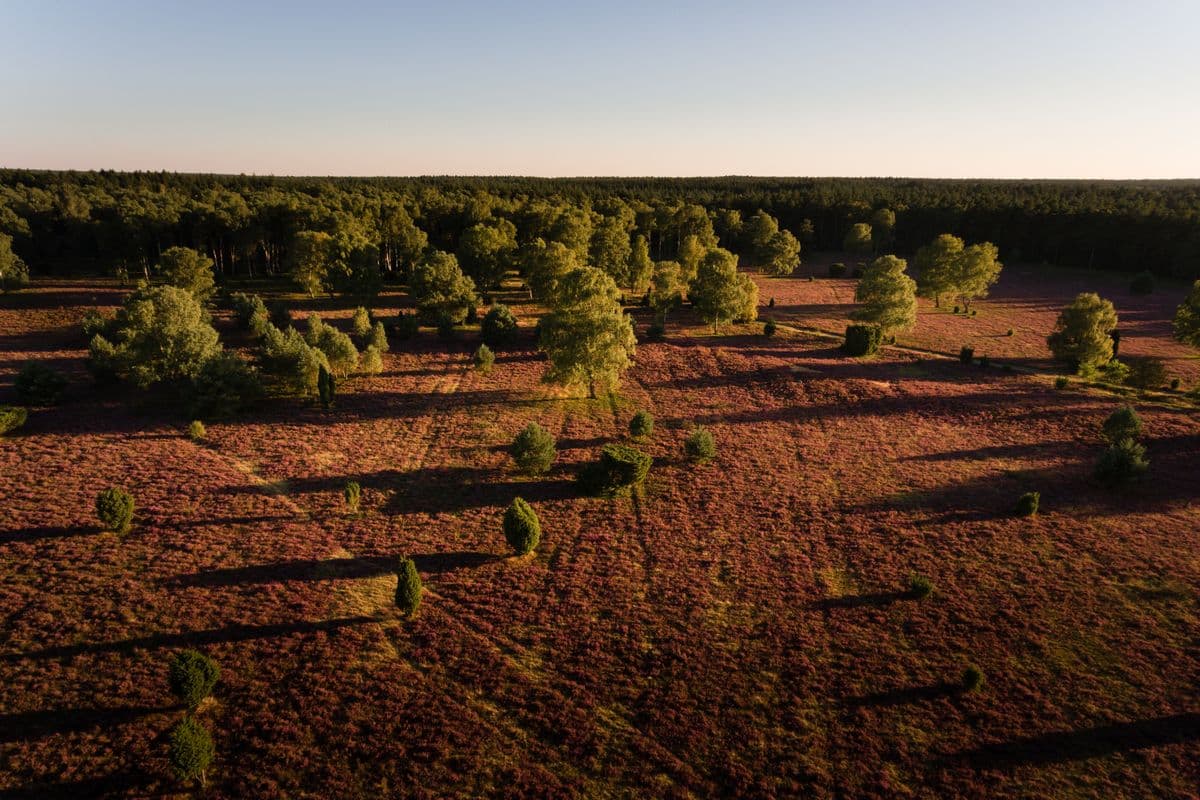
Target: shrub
[
  {"x": 642, "y": 425},
  {"x": 1028, "y": 503},
  {"x": 250, "y": 312},
  {"x": 699, "y": 445},
  {"x": 360, "y": 323},
  {"x": 656, "y": 332},
  {"x": 956, "y": 309},
  {"x": 196, "y": 431},
  {"x": 1121, "y": 462},
  {"x": 533, "y": 449},
  {"x": 1142, "y": 283},
  {"x": 406, "y": 326},
  {"x": 1114, "y": 372},
  {"x": 224, "y": 386},
  {"x": 483, "y": 359},
  {"x": 1174, "y": 384},
  {"x": 291, "y": 361},
  {"x": 1124, "y": 423},
  {"x": 12, "y": 418},
  {"x": 378, "y": 338},
  {"x": 191, "y": 751},
  {"x": 620, "y": 467},
  {"x": 281, "y": 317},
  {"x": 353, "y": 494},
  {"x": 39, "y": 385},
  {"x": 919, "y": 586},
  {"x": 837, "y": 270},
  {"x": 94, "y": 323},
  {"x": 192, "y": 676},
  {"x": 340, "y": 352},
  {"x": 114, "y": 509},
  {"x": 326, "y": 387},
  {"x": 1062, "y": 382},
  {"x": 445, "y": 327},
  {"x": 966, "y": 355},
  {"x": 472, "y": 315},
  {"x": 499, "y": 328},
  {"x": 862, "y": 340},
  {"x": 1146, "y": 372},
  {"x": 408, "y": 586},
  {"x": 371, "y": 362},
  {"x": 769, "y": 327},
  {"x": 974, "y": 311},
  {"x": 521, "y": 527},
  {"x": 972, "y": 679},
  {"x": 1010, "y": 332}
]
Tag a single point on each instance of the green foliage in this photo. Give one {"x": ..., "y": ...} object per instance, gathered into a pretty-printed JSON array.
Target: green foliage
[
  {"x": 191, "y": 751},
  {"x": 620, "y": 467},
  {"x": 483, "y": 359},
  {"x": 360, "y": 323},
  {"x": 666, "y": 287},
  {"x": 39, "y": 385},
  {"x": 781, "y": 256},
  {"x": 281, "y": 316},
  {"x": 641, "y": 268},
  {"x": 719, "y": 293},
  {"x": 94, "y": 323},
  {"x": 837, "y": 270},
  {"x": 919, "y": 586},
  {"x": 1028, "y": 503},
  {"x": 974, "y": 272},
  {"x": 499, "y": 327},
  {"x": 972, "y": 679},
  {"x": 12, "y": 418},
  {"x": 1062, "y": 382},
  {"x": 521, "y": 527},
  {"x": 533, "y": 449},
  {"x": 446, "y": 328},
  {"x": 160, "y": 334},
  {"x": 114, "y": 509},
  {"x": 700, "y": 446},
  {"x": 311, "y": 253},
  {"x": 1124, "y": 423},
  {"x": 769, "y": 327},
  {"x": 1146, "y": 372},
  {"x": 656, "y": 331},
  {"x": 353, "y": 494},
  {"x": 888, "y": 296},
  {"x": 967, "y": 354},
  {"x": 377, "y": 338},
  {"x": 13, "y": 272},
  {"x": 196, "y": 431},
  {"x": 408, "y": 586},
  {"x": 225, "y": 386},
  {"x": 936, "y": 265},
  {"x": 440, "y": 289},
  {"x": 192, "y": 677},
  {"x": 326, "y": 387},
  {"x": 858, "y": 238},
  {"x": 290, "y": 361},
  {"x": 371, "y": 362},
  {"x": 1186, "y": 325},
  {"x": 641, "y": 426},
  {"x": 487, "y": 250},
  {"x": 1081, "y": 334},
  {"x": 610, "y": 249},
  {"x": 587, "y": 337},
  {"x": 1121, "y": 463},
  {"x": 545, "y": 264},
  {"x": 406, "y": 326},
  {"x": 757, "y": 233},
  {"x": 340, "y": 353},
  {"x": 189, "y": 270},
  {"x": 250, "y": 312},
  {"x": 862, "y": 340}
]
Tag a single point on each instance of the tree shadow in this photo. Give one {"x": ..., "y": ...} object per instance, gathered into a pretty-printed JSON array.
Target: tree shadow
[
  {"x": 443, "y": 563},
  {"x": 875, "y": 600},
  {"x": 317, "y": 569},
  {"x": 447, "y": 489},
  {"x": 903, "y": 696},
  {"x": 26, "y": 725},
  {"x": 47, "y": 532},
  {"x": 116, "y": 784},
  {"x": 1103, "y": 740}
]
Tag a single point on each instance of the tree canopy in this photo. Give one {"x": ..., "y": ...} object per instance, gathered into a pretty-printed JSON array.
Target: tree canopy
[
  {"x": 1082, "y": 335},
  {"x": 587, "y": 337},
  {"x": 888, "y": 297}
]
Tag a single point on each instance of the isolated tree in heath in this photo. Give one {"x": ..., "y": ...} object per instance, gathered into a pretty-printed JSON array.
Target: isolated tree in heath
[
  {"x": 858, "y": 238},
  {"x": 521, "y": 527},
  {"x": 440, "y": 289},
  {"x": 1187, "y": 318},
  {"x": 781, "y": 254},
  {"x": 189, "y": 270},
  {"x": 408, "y": 586},
  {"x": 1082, "y": 335},
  {"x": 719, "y": 293},
  {"x": 587, "y": 337},
  {"x": 975, "y": 270},
  {"x": 888, "y": 296},
  {"x": 191, "y": 751},
  {"x": 937, "y": 266}
]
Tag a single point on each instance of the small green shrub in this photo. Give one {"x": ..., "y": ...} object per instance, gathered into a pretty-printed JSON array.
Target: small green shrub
[
  {"x": 771, "y": 303},
  {"x": 326, "y": 387},
  {"x": 642, "y": 425},
  {"x": 408, "y": 586},
  {"x": 499, "y": 327},
  {"x": 1121, "y": 463},
  {"x": 406, "y": 326},
  {"x": 114, "y": 509},
  {"x": 483, "y": 359},
  {"x": 1174, "y": 384},
  {"x": 956, "y": 309},
  {"x": 1010, "y": 332},
  {"x": 250, "y": 312},
  {"x": 95, "y": 324},
  {"x": 339, "y": 349},
  {"x": 862, "y": 340},
  {"x": 12, "y": 418},
  {"x": 1146, "y": 372},
  {"x": 378, "y": 338},
  {"x": 39, "y": 385},
  {"x": 191, "y": 751},
  {"x": 769, "y": 327},
  {"x": 985, "y": 362},
  {"x": 521, "y": 527},
  {"x": 966, "y": 355},
  {"x": 699, "y": 445},
  {"x": 196, "y": 431},
  {"x": 972, "y": 679},
  {"x": 1142, "y": 283},
  {"x": 1124, "y": 423},
  {"x": 533, "y": 450},
  {"x": 919, "y": 586},
  {"x": 837, "y": 270},
  {"x": 620, "y": 467},
  {"x": 191, "y": 677},
  {"x": 371, "y": 362},
  {"x": 360, "y": 323},
  {"x": 353, "y": 494},
  {"x": 1062, "y": 382},
  {"x": 1028, "y": 503}
]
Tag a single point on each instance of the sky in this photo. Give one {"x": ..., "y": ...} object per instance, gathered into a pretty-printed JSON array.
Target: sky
[{"x": 1057, "y": 88}]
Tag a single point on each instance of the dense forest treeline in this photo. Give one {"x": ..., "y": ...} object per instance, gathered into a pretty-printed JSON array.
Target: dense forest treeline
[{"x": 64, "y": 222}]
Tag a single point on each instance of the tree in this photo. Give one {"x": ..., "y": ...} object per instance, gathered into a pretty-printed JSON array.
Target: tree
[
  {"x": 699, "y": 445},
  {"x": 408, "y": 586},
  {"x": 641, "y": 425},
  {"x": 641, "y": 268},
  {"x": 858, "y": 238},
  {"x": 691, "y": 253},
  {"x": 224, "y": 386},
  {"x": 1121, "y": 462},
  {"x": 1187, "y": 318},
  {"x": 937, "y": 267},
  {"x": 310, "y": 256},
  {"x": 719, "y": 293},
  {"x": 326, "y": 387},
  {"x": 192, "y": 676},
  {"x": 160, "y": 334},
  {"x": 360, "y": 323},
  {"x": 486, "y": 251},
  {"x": 189, "y": 270},
  {"x": 114, "y": 509},
  {"x": 883, "y": 226},
  {"x": 499, "y": 327},
  {"x": 191, "y": 751},
  {"x": 781, "y": 254},
  {"x": 667, "y": 287},
  {"x": 341, "y": 355},
  {"x": 13, "y": 272},
  {"x": 521, "y": 527},
  {"x": 290, "y": 360},
  {"x": 483, "y": 359},
  {"x": 39, "y": 385},
  {"x": 440, "y": 289},
  {"x": 610, "y": 249},
  {"x": 545, "y": 264},
  {"x": 587, "y": 337},
  {"x": 757, "y": 233},
  {"x": 975, "y": 270},
  {"x": 533, "y": 449},
  {"x": 888, "y": 296},
  {"x": 1082, "y": 334},
  {"x": 1124, "y": 423}
]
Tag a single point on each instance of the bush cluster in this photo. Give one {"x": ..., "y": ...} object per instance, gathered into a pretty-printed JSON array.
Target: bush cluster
[
  {"x": 641, "y": 426},
  {"x": 699, "y": 445},
  {"x": 499, "y": 327},
  {"x": 620, "y": 467},
  {"x": 533, "y": 449},
  {"x": 224, "y": 386},
  {"x": 863, "y": 340},
  {"x": 114, "y": 509},
  {"x": 250, "y": 312}
]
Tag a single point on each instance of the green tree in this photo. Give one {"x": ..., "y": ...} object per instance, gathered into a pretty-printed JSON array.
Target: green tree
[
  {"x": 191, "y": 751},
  {"x": 641, "y": 268},
  {"x": 781, "y": 254},
  {"x": 288, "y": 359},
  {"x": 691, "y": 253},
  {"x": 937, "y": 265},
  {"x": 533, "y": 449},
  {"x": 408, "y": 586},
  {"x": 360, "y": 323},
  {"x": 521, "y": 527},
  {"x": 719, "y": 293},
  {"x": 13, "y": 272},
  {"x": 340, "y": 353},
  {"x": 667, "y": 286},
  {"x": 1124, "y": 423},
  {"x": 757, "y": 233},
  {"x": 1187, "y": 318},
  {"x": 114, "y": 509},
  {"x": 587, "y": 337},
  {"x": 192, "y": 677},
  {"x": 610, "y": 249},
  {"x": 310, "y": 257},
  {"x": 975, "y": 270},
  {"x": 545, "y": 264},
  {"x": 499, "y": 327},
  {"x": 160, "y": 334},
  {"x": 883, "y": 227},
  {"x": 486, "y": 251},
  {"x": 858, "y": 238},
  {"x": 440, "y": 289},
  {"x": 888, "y": 296},
  {"x": 189, "y": 270},
  {"x": 483, "y": 359},
  {"x": 1082, "y": 334}
]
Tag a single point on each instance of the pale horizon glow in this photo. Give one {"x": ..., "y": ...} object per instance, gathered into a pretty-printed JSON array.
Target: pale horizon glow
[{"x": 1056, "y": 89}]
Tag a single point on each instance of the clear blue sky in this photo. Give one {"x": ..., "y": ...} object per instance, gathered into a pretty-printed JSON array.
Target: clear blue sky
[{"x": 947, "y": 89}]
